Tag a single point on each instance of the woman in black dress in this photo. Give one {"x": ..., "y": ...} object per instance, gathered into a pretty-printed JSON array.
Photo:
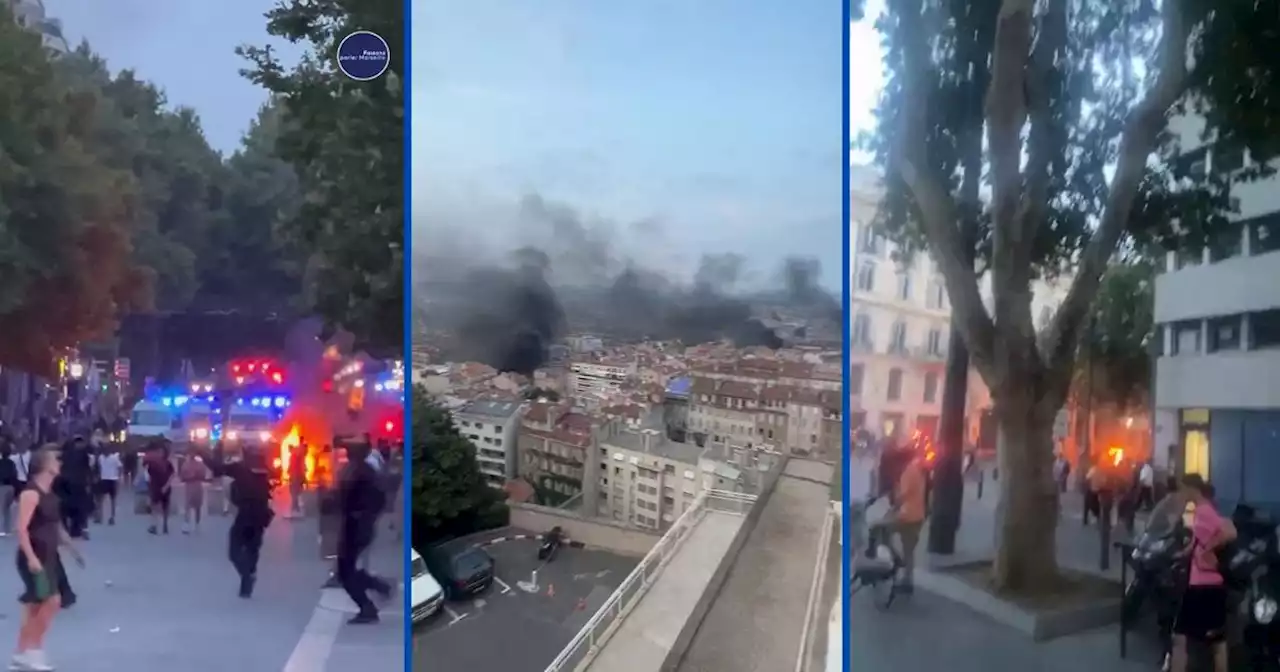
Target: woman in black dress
[{"x": 40, "y": 533}]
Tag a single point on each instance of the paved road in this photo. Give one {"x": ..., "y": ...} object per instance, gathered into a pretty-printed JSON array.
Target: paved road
[{"x": 169, "y": 603}]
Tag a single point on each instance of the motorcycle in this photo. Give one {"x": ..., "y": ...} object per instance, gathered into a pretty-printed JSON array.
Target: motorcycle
[
  {"x": 1254, "y": 564},
  {"x": 550, "y": 544},
  {"x": 1160, "y": 570}
]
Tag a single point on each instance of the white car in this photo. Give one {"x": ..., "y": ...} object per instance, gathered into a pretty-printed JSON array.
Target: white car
[{"x": 425, "y": 592}]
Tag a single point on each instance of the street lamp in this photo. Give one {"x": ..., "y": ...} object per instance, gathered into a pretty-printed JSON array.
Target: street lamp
[{"x": 77, "y": 370}]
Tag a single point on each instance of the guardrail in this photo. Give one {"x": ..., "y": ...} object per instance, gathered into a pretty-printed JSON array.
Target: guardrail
[{"x": 583, "y": 647}]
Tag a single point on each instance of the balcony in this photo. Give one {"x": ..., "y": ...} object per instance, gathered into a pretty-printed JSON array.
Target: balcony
[{"x": 736, "y": 583}]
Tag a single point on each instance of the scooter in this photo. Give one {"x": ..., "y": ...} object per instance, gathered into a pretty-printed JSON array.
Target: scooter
[
  {"x": 550, "y": 544},
  {"x": 1159, "y": 574}
]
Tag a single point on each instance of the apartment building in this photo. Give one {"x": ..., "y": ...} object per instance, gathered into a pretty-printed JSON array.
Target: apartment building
[
  {"x": 739, "y": 416},
  {"x": 647, "y": 480},
  {"x": 557, "y": 444},
  {"x": 599, "y": 379},
  {"x": 900, "y": 327},
  {"x": 1218, "y": 314},
  {"x": 30, "y": 14},
  {"x": 494, "y": 428}
]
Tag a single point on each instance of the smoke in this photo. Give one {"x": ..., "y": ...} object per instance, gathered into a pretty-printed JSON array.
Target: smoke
[{"x": 569, "y": 274}]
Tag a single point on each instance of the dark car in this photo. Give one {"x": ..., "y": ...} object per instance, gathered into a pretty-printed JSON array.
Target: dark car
[{"x": 463, "y": 570}]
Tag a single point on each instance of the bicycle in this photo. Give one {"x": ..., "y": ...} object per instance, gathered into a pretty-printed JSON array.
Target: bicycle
[{"x": 879, "y": 566}]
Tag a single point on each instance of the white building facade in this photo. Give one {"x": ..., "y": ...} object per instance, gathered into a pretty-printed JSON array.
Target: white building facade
[
  {"x": 30, "y": 14},
  {"x": 593, "y": 379},
  {"x": 1217, "y": 386},
  {"x": 493, "y": 427}
]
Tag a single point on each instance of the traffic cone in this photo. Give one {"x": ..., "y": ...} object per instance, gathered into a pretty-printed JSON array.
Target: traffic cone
[{"x": 551, "y": 590}]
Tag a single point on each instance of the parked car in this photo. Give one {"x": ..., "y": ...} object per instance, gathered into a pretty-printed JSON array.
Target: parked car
[
  {"x": 461, "y": 568},
  {"x": 424, "y": 590}
]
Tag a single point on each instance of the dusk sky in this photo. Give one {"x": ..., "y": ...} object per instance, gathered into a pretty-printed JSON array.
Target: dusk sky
[
  {"x": 716, "y": 124},
  {"x": 187, "y": 48}
]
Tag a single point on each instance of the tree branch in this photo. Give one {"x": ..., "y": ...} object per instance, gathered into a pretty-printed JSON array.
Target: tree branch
[
  {"x": 938, "y": 211},
  {"x": 1044, "y": 139},
  {"x": 1142, "y": 131}
]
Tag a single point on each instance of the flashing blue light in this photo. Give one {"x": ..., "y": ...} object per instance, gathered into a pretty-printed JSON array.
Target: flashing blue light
[
  {"x": 255, "y": 402},
  {"x": 167, "y": 401},
  {"x": 239, "y": 402},
  {"x": 180, "y": 400},
  {"x": 281, "y": 402}
]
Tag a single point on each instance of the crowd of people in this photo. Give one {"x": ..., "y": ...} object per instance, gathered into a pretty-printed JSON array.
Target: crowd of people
[{"x": 49, "y": 495}]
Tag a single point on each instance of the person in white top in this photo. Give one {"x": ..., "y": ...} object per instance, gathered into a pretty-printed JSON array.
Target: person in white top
[
  {"x": 1146, "y": 487},
  {"x": 110, "y": 468}
]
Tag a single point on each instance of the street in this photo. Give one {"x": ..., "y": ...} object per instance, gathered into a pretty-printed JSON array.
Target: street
[
  {"x": 962, "y": 640},
  {"x": 169, "y": 603}
]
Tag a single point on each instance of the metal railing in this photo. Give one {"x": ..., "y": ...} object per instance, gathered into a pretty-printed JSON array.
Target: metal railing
[{"x": 583, "y": 647}]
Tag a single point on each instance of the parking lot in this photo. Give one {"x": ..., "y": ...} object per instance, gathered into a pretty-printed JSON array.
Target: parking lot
[{"x": 523, "y": 621}]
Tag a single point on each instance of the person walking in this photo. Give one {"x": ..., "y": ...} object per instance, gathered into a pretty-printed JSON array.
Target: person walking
[
  {"x": 110, "y": 469},
  {"x": 907, "y": 517},
  {"x": 129, "y": 465},
  {"x": 1202, "y": 616},
  {"x": 8, "y": 487},
  {"x": 160, "y": 475},
  {"x": 297, "y": 469},
  {"x": 40, "y": 533},
  {"x": 194, "y": 475},
  {"x": 1146, "y": 486},
  {"x": 250, "y": 491},
  {"x": 75, "y": 479},
  {"x": 361, "y": 501}
]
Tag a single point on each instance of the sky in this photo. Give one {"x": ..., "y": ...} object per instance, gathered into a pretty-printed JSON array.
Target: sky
[
  {"x": 186, "y": 48},
  {"x": 711, "y": 126}
]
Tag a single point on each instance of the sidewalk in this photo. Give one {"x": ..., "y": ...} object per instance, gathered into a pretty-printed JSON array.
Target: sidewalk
[{"x": 169, "y": 603}]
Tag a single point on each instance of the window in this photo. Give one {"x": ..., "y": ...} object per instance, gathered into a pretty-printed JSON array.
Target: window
[
  {"x": 856, "y": 373},
  {"x": 1224, "y": 334},
  {"x": 930, "y": 387},
  {"x": 869, "y": 242},
  {"x": 1187, "y": 258},
  {"x": 898, "y": 343},
  {"x": 937, "y": 295},
  {"x": 1264, "y": 233},
  {"x": 1264, "y": 329},
  {"x": 866, "y": 280},
  {"x": 1186, "y": 338},
  {"x": 904, "y": 286},
  {"x": 861, "y": 329},
  {"x": 934, "y": 344},
  {"x": 1226, "y": 244},
  {"x": 894, "y": 392}
]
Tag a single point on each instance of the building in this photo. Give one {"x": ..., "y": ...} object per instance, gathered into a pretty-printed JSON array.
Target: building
[
  {"x": 738, "y": 416},
  {"x": 494, "y": 428},
  {"x": 1217, "y": 386},
  {"x": 900, "y": 328},
  {"x": 647, "y": 480},
  {"x": 599, "y": 379},
  {"x": 556, "y": 447},
  {"x": 30, "y": 14}
]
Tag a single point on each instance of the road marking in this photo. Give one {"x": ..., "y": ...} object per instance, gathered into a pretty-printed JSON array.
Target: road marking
[
  {"x": 454, "y": 616},
  {"x": 313, "y": 649},
  {"x": 505, "y": 588}
]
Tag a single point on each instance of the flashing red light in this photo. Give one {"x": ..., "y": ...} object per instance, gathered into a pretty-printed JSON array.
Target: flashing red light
[
  {"x": 389, "y": 427},
  {"x": 277, "y": 378},
  {"x": 235, "y": 368},
  {"x": 328, "y": 386},
  {"x": 266, "y": 366},
  {"x": 253, "y": 365},
  {"x": 239, "y": 380}
]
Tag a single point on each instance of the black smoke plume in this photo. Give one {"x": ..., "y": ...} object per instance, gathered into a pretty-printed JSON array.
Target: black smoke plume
[{"x": 508, "y": 314}]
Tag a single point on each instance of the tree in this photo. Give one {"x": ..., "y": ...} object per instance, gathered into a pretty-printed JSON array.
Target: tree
[
  {"x": 1076, "y": 156},
  {"x": 346, "y": 141},
  {"x": 450, "y": 496},
  {"x": 1115, "y": 353},
  {"x": 66, "y": 268}
]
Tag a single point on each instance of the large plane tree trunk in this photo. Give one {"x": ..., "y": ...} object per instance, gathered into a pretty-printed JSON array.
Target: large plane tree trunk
[{"x": 1026, "y": 551}]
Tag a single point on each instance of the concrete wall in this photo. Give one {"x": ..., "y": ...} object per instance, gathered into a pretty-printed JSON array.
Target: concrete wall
[
  {"x": 1219, "y": 380},
  {"x": 1228, "y": 287},
  {"x": 604, "y": 534}
]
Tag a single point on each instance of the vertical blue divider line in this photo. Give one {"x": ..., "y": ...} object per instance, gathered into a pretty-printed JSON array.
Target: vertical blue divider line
[
  {"x": 845, "y": 296},
  {"x": 406, "y": 251}
]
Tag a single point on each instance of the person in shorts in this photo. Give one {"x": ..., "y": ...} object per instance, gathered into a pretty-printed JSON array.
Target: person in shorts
[
  {"x": 1203, "y": 614},
  {"x": 193, "y": 475},
  {"x": 109, "y": 472},
  {"x": 160, "y": 473}
]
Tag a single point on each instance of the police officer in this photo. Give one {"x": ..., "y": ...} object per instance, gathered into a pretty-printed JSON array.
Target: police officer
[{"x": 250, "y": 493}]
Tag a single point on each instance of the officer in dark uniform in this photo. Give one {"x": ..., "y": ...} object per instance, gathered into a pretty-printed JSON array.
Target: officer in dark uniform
[
  {"x": 250, "y": 492},
  {"x": 361, "y": 501}
]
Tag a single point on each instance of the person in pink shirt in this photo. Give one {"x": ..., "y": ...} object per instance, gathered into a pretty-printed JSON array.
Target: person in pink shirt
[{"x": 1203, "y": 615}]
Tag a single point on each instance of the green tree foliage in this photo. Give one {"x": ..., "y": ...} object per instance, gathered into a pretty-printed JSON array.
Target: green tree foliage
[
  {"x": 66, "y": 267},
  {"x": 345, "y": 139},
  {"x": 1115, "y": 353},
  {"x": 450, "y": 496},
  {"x": 1066, "y": 107}
]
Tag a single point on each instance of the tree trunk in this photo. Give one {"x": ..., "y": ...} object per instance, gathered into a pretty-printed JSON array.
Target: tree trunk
[
  {"x": 949, "y": 471},
  {"x": 1026, "y": 545}
]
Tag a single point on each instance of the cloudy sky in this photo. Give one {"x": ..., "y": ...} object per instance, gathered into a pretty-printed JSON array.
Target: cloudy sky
[
  {"x": 187, "y": 48},
  {"x": 684, "y": 127}
]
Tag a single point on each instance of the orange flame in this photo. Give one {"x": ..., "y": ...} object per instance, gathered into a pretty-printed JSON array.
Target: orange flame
[
  {"x": 291, "y": 442},
  {"x": 1116, "y": 454}
]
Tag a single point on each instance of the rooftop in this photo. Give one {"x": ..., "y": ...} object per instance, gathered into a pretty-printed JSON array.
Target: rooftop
[
  {"x": 653, "y": 442},
  {"x": 500, "y": 410}
]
